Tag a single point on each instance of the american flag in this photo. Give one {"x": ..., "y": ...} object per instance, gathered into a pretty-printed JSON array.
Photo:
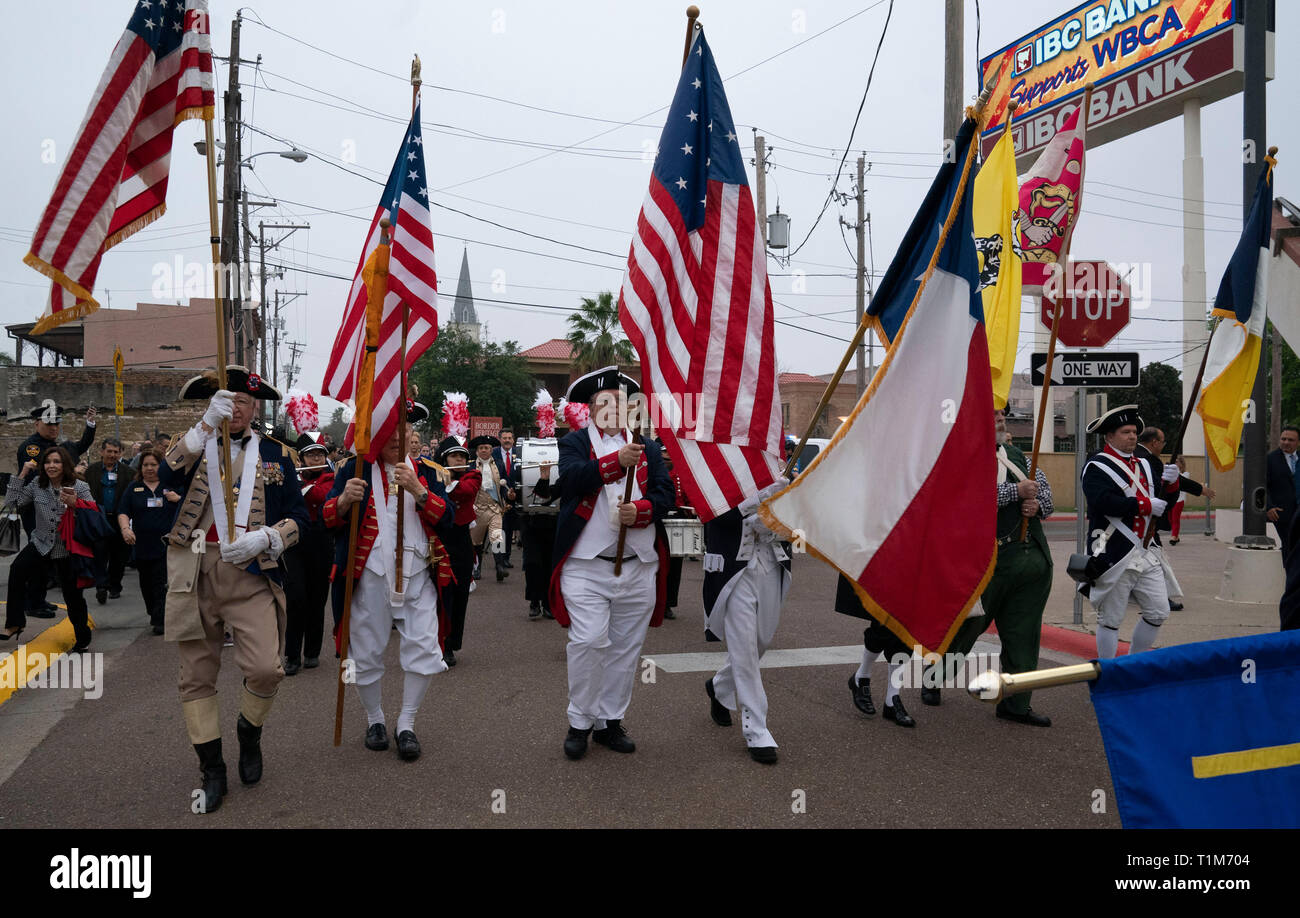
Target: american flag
[
  {"x": 411, "y": 278},
  {"x": 696, "y": 305},
  {"x": 115, "y": 179}
]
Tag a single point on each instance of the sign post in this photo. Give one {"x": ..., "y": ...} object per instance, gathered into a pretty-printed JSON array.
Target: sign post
[{"x": 118, "y": 405}]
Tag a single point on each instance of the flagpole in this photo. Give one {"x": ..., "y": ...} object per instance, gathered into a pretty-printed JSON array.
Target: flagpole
[
  {"x": 360, "y": 419},
  {"x": 975, "y": 112},
  {"x": 218, "y": 291},
  {"x": 402, "y": 432},
  {"x": 993, "y": 687},
  {"x": 1063, "y": 264},
  {"x": 692, "y": 14}
]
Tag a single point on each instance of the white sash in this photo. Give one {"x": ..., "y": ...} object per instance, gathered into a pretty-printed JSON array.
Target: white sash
[
  {"x": 414, "y": 544},
  {"x": 1006, "y": 465},
  {"x": 1134, "y": 486},
  {"x": 217, "y": 491}
]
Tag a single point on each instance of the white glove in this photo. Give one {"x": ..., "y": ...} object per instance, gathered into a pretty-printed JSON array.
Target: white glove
[
  {"x": 1170, "y": 473},
  {"x": 247, "y": 547},
  {"x": 1158, "y": 507},
  {"x": 221, "y": 407}
]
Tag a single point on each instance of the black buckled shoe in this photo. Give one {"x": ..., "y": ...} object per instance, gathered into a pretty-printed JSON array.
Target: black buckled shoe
[
  {"x": 213, "y": 769},
  {"x": 250, "y": 751},
  {"x": 575, "y": 743},
  {"x": 1030, "y": 717},
  {"x": 614, "y": 737},
  {"x": 898, "y": 714},
  {"x": 930, "y": 696},
  {"x": 717, "y": 710},
  {"x": 408, "y": 747},
  {"x": 377, "y": 737},
  {"x": 764, "y": 754},
  {"x": 861, "y": 689}
]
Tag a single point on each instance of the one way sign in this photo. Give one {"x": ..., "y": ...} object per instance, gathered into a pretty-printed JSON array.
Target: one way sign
[{"x": 1087, "y": 368}]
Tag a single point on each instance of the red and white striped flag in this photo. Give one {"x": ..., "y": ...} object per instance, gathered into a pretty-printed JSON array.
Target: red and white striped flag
[
  {"x": 696, "y": 304},
  {"x": 411, "y": 278},
  {"x": 115, "y": 179}
]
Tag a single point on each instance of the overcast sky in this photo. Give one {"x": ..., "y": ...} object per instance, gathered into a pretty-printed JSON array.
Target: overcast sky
[{"x": 606, "y": 72}]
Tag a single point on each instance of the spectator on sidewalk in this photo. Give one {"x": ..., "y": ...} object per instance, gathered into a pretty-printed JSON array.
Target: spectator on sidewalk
[
  {"x": 1283, "y": 485},
  {"x": 47, "y": 486},
  {"x": 146, "y": 513},
  {"x": 108, "y": 479}
]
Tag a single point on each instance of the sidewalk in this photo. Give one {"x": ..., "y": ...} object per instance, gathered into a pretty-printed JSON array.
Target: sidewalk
[{"x": 1198, "y": 563}]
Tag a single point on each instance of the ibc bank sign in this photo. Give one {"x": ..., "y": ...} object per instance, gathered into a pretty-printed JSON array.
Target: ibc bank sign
[{"x": 1144, "y": 57}]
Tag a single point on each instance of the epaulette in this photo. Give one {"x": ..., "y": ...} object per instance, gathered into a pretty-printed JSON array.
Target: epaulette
[
  {"x": 443, "y": 474},
  {"x": 286, "y": 451}
]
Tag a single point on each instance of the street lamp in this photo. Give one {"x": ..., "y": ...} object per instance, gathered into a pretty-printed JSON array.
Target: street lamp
[{"x": 298, "y": 156}]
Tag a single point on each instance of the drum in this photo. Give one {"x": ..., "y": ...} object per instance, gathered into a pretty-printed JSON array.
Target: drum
[
  {"x": 531, "y": 454},
  {"x": 685, "y": 537}
]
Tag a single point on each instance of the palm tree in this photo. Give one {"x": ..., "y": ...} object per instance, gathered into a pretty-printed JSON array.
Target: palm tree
[{"x": 595, "y": 335}]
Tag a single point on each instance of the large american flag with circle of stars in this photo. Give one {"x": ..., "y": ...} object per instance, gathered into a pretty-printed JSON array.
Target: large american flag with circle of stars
[
  {"x": 696, "y": 304},
  {"x": 114, "y": 178},
  {"x": 411, "y": 278}
]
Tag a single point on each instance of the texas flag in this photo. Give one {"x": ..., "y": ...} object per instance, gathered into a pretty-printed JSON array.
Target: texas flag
[{"x": 902, "y": 501}]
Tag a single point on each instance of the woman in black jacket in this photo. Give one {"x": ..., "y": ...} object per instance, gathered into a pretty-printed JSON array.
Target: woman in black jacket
[
  {"x": 52, "y": 491},
  {"x": 145, "y": 515}
]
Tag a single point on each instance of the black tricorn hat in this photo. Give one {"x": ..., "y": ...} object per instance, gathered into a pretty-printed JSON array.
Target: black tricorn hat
[
  {"x": 238, "y": 379},
  {"x": 448, "y": 446},
  {"x": 305, "y": 442},
  {"x": 415, "y": 412},
  {"x": 479, "y": 441},
  {"x": 582, "y": 389},
  {"x": 1115, "y": 419}
]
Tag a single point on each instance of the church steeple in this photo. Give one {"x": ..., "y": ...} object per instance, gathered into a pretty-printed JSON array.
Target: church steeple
[{"x": 462, "y": 311}]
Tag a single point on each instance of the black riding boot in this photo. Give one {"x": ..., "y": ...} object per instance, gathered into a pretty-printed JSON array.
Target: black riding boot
[{"x": 213, "y": 769}]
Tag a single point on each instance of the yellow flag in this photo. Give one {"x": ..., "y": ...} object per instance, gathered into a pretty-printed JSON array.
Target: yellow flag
[
  {"x": 996, "y": 198},
  {"x": 375, "y": 277}
]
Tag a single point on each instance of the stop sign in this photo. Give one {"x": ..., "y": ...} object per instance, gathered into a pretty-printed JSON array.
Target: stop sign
[{"x": 1095, "y": 303}]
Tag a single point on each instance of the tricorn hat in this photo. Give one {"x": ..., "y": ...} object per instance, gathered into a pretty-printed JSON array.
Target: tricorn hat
[
  {"x": 415, "y": 412},
  {"x": 238, "y": 379},
  {"x": 1115, "y": 419},
  {"x": 582, "y": 389},
  {"x": 479, "y": 441}
]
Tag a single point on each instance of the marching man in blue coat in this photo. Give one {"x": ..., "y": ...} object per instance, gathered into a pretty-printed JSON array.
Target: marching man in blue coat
[
  {"x": 214, "y": 584},
  {"x": 607, "y": 616},
  {"x": 1123, "y": 505}
]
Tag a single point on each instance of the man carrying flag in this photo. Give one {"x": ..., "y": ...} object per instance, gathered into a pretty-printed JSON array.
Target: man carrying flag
[
  {"x": 1233, "y": 359},
  {"x": 696, "y": 305},
  {"x": 114, "y": 182},
  {"x": 922, "y": 425}
]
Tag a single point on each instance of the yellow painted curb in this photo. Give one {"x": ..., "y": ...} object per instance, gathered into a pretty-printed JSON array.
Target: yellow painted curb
[{"x": 47, "y": 645}]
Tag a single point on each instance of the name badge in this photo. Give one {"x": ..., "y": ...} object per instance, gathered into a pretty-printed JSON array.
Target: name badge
[
  {"x": 153, "y": 502},
  {"x": 112, "y": 476}
]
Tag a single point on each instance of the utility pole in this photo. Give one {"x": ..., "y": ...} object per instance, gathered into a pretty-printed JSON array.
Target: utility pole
[
  {"x": 862, "y": 270},
  {"x": 291, "y": 371},
  {"x": 760, "y": 175},
  {"x": 1255, "y": 132},
  {"x": 954, "y": 28},
  {"x": 230, "y": 195}
]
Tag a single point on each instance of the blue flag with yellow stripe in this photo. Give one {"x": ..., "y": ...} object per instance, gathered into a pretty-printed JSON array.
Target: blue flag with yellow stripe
[{"x": 1204, "y": 735}]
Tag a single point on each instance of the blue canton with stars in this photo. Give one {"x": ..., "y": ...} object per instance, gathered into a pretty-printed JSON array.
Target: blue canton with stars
[
  {"x": 161, "y": 23},
  {"x": 408, "y": 176},
  {"x": 699, "y": 140}
]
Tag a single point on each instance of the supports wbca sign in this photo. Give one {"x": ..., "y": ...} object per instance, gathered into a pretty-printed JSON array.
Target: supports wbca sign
[{"x": 1146, "y": 57}]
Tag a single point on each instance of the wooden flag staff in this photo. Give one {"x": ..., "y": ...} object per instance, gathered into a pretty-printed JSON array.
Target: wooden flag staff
[
  {"x": 692, "y": 14},
  {"x": 1063, "y": 264},
  {"x": 867, "y": 318},
  {"x": 219, "y": 292}
]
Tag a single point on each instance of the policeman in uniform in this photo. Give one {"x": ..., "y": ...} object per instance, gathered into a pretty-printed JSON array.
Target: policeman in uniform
[
  {"x": 216, "y": 584},
  {"x": 46, "y": 434},
  {"x": 1017, "y": 592},
  {"x": 380, "y": 601},
  {"x": 607, "y": 616},
  {"x": 746, "y": 579},
  {"x": 1123, "y": 505}
]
